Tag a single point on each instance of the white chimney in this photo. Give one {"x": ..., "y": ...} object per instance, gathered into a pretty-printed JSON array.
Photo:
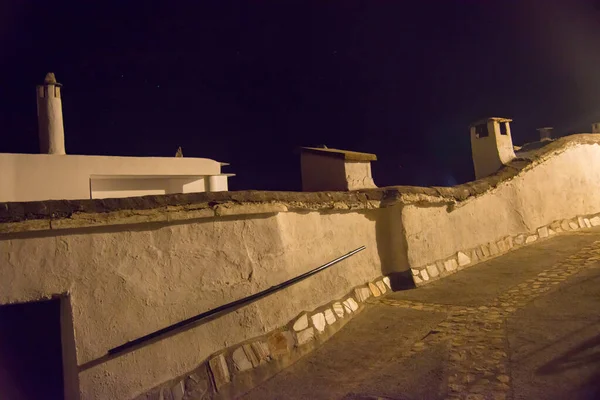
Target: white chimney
[
  {"x": 50, "y": 118},
  {"x": 545, "y": 133}
]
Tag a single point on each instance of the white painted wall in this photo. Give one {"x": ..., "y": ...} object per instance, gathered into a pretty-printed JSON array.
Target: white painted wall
[
  {"x": 218, "y": 183},
  {"x": 35, "y": 177},
  {"x": 358, "y": 175},
  {"x": 125, "y": 283},
  {"x": 563, "y": 187},
  {"x": 128, "y": 281}
]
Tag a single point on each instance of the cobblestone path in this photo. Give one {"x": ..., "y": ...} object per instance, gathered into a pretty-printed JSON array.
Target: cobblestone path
[{"x": 478, "y": 363}]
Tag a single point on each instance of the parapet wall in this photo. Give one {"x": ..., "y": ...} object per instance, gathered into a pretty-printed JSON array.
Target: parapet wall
[
  {"x": 132, "y": 266},
  {"x": 559, "y": 183}
]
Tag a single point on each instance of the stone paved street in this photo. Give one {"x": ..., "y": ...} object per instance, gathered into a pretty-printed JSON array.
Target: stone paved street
[{"x": 522, "y": 326}]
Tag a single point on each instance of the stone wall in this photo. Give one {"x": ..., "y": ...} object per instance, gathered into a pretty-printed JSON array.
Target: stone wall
[
  {"x": 562, "y": 187},
  {"x": 132, "y": 266},
  {"x": 125, "y": 282}
]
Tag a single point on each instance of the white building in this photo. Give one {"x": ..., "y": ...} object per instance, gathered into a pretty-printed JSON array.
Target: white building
[
  {"x": 55, "y": 175},
  {"x": 491, "y": 145}
]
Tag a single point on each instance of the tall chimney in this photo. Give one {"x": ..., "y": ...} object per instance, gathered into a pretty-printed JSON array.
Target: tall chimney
[
  {"x": 545, "y": 133},
  {"x": 50, "y": 118}
]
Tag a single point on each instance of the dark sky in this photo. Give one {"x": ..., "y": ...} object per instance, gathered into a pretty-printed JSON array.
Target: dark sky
[{"x": 249, "y": 82}]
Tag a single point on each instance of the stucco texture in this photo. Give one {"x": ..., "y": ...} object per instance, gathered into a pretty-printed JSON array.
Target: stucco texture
[
  {"x": 563, "y": 186},
  {"x": 133, "y": 266},
  {"x": 126, "y": 283}
]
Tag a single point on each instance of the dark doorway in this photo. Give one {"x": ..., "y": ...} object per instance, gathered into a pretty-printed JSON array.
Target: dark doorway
[{"x": 30, "y": 351}]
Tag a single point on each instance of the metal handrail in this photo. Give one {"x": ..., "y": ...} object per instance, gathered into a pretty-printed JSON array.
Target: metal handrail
[{"x": 235, "y": 304}]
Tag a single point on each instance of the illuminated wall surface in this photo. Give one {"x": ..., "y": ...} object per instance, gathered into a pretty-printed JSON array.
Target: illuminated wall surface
[
  {"x": 126, "y": 271},
  {"x": 37, "y": 177}
]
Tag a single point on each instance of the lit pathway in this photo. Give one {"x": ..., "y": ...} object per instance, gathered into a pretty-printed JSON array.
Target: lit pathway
[{"x": 521, "y": 326}]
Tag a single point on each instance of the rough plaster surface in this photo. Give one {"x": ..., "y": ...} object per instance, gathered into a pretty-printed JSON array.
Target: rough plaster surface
[
  {"x": 562, "y": 187},
  {"x": 135, "y": 265},
  {"x": 358, "y": 175},
  {"x": 125, "y": 283},
  {"x": 38, "y": 215}
]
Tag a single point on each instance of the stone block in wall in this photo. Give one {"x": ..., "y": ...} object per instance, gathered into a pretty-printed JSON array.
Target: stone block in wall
[
  {"x": 554, "y": 226},
  {"x": 318, "y": 321},
  {"x": 432, "y": 270},
  {"x": 580, "y": 222},
  {"x": 573, "y": 225},
  {"x": 463, "y": 259},
  {"x": 531, "y": 239},
  {"x": 520, "y": 239},
  {"x": 387, "y": 282},
  {"x": 565, "y": 225},
  {"x": 305, "y": 336},
  {"x": 485, "y": 249},
  {"x": 424, "y": 275},
  {"x": 362, "y": 294},
  {"x": 219, "y": 370},
  {"x": 351, "y": 304},
  {"x": 381, "y": 286},
  {"x": 261, "y": 350},
  {"x": 440, "y": 266},
  {"x": 417, "y": 280},
  {"x": 543, "y": 232},
  {"x": 479, "y": 253},
  {"x": 474, "y": 256},
  {"x": 178, "y": 390},
  {"x": 374, "y": 289},
  {"x": 240, "y": 360},
  {"x": 197, "y": 384},
  {"x": 509, "y": 242},
  {"x": 501, "y": 244},
  {"x": 250, "y": 355},
  {"x": 330, "y": 317},
  {"x": 301, "y": 323},
  {"x": 494, "y": 249},
  {"x": 595, "y": 221},
  {"x": 415, "y": 272},
  {"x": 450, "y": 265},
  {"x": 166, "y": 394},
  {"x": 338, "y": 309},
  {"x": 347, "y": 309},
  {"x": 280, "y": 343},
  {"x": 587, "y": 223}
]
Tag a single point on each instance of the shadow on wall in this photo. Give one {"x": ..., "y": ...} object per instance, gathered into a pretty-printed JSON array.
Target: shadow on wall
[{"x": 392, "y": 247}]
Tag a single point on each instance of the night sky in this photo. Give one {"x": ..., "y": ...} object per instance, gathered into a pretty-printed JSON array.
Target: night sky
[{"x": 249, "y": 82}]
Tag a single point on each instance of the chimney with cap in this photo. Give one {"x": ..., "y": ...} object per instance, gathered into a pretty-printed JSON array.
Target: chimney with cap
[
  {"x": 50, "y": 118},
  {"x": 545, "y": 133},
  {"x": 491, "y": 145}
]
